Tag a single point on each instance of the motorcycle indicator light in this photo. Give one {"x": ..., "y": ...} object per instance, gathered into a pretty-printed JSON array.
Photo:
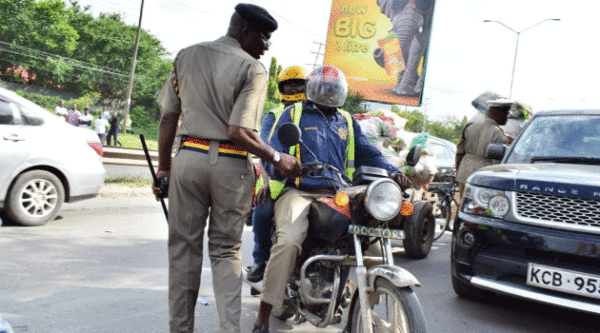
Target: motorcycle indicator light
[
  {"x": 341, "y": 199},
  {"x": 407, "y": 209}
]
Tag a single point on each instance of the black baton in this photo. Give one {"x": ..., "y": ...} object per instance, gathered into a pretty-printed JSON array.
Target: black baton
[{"x": 156, "y": 182}]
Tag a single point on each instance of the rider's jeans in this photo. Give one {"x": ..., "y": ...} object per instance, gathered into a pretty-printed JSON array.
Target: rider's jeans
[
  {"x": 291, "y": 221},
  {"x": 262, "y": 224}
]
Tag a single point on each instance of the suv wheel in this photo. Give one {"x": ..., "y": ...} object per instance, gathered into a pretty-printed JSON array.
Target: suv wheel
[
  {"x": 464, "y": 289},
  {"x": 35, "y": 198}
]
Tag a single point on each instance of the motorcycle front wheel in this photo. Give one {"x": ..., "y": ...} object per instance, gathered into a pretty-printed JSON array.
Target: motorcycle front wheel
[{"x": 394, "y": 310}]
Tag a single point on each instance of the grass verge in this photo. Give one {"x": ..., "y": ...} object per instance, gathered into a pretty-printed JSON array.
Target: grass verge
[{"x": 129, "y": 181}]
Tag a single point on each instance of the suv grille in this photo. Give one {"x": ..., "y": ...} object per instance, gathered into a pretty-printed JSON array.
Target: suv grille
[{"x": 561, "y": 210}]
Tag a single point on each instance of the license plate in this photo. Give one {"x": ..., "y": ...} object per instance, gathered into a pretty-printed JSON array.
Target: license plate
[
  {"x": 567, "y": 281},
  {"x": 376, "y": 232}
]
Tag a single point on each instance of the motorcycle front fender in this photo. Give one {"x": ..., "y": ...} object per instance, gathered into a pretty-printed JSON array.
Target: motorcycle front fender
[{"x": 396, "y": 275}]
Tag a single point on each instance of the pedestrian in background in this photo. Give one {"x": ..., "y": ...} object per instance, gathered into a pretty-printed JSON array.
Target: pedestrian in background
[
  {"x": 219, "y": 87},
  {"x": 86, "y": 119},
  {"x": 101, "y": 125},
  {"x": 73, "y": 115},
  {"x": 113, "y": 130},
  {"x": 472, "y": 146},
  {"x": 60, "y": 110}
]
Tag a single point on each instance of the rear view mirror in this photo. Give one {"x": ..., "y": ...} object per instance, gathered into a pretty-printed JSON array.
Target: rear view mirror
[
  {"x": 289, "y": 134},
  {"x": 495, "y": 151},
  {"x": 414, "y": 155}
]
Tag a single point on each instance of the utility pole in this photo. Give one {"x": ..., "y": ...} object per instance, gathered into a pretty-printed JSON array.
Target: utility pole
[
  {"x": 318, "y": 53},
  {"x": 131, "y": 74},
  {"x": 425, "y": 114}
]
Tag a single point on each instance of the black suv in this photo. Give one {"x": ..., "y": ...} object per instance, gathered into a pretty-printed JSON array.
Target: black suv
[{"x": 530, "y": 226}]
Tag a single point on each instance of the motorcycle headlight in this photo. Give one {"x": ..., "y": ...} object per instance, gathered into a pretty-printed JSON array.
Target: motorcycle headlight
[
  {"x": 485, "y": 202},
  {"x": 383, "y": 199}
]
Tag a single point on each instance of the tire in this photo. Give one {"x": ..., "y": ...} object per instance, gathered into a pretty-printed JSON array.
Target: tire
[
  {"x": 466, "y": 290},
  {"x": 443, "y": 215},
  {"x": 419, "y": 230},
  {"x": 402, "y": 310},
  {"x": 35, "y": 198},
  {"x": 463, "y": 289}
]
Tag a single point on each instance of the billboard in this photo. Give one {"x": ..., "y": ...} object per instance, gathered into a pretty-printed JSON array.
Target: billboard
[{"x": 381, "y": 46}]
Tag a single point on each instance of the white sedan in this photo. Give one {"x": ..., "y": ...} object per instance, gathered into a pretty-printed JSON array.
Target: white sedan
[{"x": 43, "y": 161}]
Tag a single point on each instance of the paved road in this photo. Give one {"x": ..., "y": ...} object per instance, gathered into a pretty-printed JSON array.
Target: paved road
[{"x": 101, "y": 267}]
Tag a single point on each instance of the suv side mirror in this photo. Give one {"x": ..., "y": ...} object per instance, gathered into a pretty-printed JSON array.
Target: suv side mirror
[
  {"x": 495, "y": 151},
  {"x": 289, "y": 134},
  {"x": 413, "y": 156}
]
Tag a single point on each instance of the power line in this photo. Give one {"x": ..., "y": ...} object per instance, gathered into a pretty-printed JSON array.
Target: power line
[
  {"x": 292, "y": 22},
  {"x": 73, "y": 62},
  {"x": 318, "y": 53}
]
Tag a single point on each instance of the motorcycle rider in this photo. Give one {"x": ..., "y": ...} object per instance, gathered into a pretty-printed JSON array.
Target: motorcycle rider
[
  {"x": 336, "y": 139},
  {"x": 292, "y": 84}
]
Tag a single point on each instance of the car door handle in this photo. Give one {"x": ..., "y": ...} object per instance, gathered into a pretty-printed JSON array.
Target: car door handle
[{"x": 14, "y": 138}]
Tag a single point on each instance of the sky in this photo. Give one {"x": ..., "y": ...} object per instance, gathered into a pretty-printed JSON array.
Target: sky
[{"x": 557, "y": 64}]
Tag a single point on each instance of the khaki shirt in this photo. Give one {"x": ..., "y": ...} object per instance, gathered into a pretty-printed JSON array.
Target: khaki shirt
[
  {"x": 220, "y": 84},
  {"x": 473, "y": 144}
]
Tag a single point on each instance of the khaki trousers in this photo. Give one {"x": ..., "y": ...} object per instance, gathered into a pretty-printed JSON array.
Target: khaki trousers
[
  {"x": 291, "y": 222},
  {"x": 199, "y": 182}
]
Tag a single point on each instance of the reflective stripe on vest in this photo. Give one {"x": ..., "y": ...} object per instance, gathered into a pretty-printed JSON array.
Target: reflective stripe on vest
[
  {"x": 260, "y": 181},
  {"x": 276, "y": 186}
]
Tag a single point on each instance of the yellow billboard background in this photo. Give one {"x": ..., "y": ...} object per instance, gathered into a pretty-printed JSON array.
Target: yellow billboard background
[{"x": 355, "y": 27}]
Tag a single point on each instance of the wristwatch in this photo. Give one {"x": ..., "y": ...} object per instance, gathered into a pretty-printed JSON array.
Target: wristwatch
[{"x": 276, "y": 157}]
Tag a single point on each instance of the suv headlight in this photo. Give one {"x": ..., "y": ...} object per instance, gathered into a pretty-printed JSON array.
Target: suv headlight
[
  {"x": 383, "y": 199},
  {"x": 485, "y": 202}
]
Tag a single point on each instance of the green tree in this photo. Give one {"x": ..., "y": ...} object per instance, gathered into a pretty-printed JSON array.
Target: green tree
[
  {"x": 28, "y": 27},
  {"x": 273, "y": 86},
  {"x": 67, "y": 48},
  {"x": 354, "y": 103},
  {"x": 414, "y": 121}
]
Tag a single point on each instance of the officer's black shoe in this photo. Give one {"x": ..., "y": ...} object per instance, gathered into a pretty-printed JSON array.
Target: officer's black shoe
[
  {"x": 261, "y": 328},
  {"x": 256, "y": 273}
]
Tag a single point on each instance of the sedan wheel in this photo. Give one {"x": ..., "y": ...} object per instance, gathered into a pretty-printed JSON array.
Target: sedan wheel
[{"x": 35, "y": 198}]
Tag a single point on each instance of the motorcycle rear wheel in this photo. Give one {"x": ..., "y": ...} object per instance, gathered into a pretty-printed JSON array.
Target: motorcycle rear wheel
[
  {"x": 419, "y": 229},
  {"x": 394, "y": 310}
]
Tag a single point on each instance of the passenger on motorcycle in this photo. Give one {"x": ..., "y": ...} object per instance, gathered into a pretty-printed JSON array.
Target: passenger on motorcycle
[
  {"x": 336, "y": 139},
  {"x": 292, "y": 86}
]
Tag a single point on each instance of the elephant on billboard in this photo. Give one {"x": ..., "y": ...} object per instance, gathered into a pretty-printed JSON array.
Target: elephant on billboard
[{"x": 411, "y": 27}]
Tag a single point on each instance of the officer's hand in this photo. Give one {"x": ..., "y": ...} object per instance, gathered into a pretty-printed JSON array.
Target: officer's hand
[
  {"x": 263, "y": 194},
  {"x": 289, "y": 166},
  {"x": 155, "y": 187},
  {"x": 402, "y": 181}
]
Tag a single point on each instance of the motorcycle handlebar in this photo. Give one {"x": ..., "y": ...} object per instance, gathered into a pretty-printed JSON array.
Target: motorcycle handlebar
[{"x": 316, "y": 169}]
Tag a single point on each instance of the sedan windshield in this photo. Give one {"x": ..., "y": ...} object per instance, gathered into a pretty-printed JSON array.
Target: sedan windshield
[{"x": 559, "y": 139}]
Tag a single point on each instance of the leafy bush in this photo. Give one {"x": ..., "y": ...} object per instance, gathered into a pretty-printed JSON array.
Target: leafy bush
[{"x": 50, "y": 102}]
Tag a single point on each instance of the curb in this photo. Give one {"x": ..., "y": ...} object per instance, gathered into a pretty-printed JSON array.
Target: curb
[{"x": 128, "y": 157}]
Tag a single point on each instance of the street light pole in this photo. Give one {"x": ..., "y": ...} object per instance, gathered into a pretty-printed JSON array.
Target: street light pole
[{"x": 512, "y": 78}]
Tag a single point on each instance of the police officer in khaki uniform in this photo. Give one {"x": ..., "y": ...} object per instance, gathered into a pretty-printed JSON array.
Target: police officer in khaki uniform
[
  {"x": 472, "y": 146},
  {"x": 218, "y": 90}
]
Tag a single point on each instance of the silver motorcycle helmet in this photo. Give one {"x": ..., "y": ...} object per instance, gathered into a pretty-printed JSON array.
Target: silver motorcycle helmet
[{"x": 327, "y": 86}]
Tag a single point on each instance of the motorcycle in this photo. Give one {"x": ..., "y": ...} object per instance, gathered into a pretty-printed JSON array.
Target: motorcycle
[{"x": 344, "y": 228}]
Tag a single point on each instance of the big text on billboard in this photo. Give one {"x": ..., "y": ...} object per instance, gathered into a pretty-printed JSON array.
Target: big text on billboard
[{"x": 381, "y": 46}]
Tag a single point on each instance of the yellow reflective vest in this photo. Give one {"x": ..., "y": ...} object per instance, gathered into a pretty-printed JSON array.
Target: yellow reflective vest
[{"x": 276, "y": 187}]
